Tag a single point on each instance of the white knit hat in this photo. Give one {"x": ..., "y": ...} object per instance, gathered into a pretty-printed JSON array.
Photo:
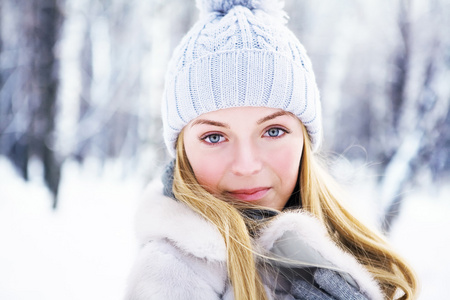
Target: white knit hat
[{"x": 240, "y": 53}]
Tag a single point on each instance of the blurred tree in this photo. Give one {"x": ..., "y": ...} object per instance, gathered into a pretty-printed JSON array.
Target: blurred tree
[
  {"x": 121, "y": 52},
  {"x": 30, "y": 89},
  {"x": 397, "y": 159},
  {"x": 419, "y": 105}
]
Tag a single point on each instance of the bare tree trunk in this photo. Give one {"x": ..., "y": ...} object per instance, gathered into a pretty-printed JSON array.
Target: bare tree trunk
[
  {"x": 82, "y": 147},
  {"x": 401, "y": 63},
  {"x": 397, "y": 175},
  {"x": 1, "y": 69},
  {"x": 394, "y": 181},
  {"x": 14, "y": 102},
  {"x": 42, "y": 33}
]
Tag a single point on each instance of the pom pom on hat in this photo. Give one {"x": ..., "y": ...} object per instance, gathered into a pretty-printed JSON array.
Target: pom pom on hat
[{"x": 271, "y": 7}]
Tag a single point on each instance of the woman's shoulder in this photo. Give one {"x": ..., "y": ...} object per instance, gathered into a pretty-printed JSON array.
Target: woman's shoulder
[
  {"x": 174, "y": 240},
  {"x": 152, "y": 275},
  {"x": 161, "y": 218}
]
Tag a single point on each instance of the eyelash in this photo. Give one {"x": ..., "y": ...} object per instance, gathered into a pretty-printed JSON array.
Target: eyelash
[
  {"x": 204, "y": 138},
  {"x": 208, "y": 136},
  {"x": 284, "y": 131}
]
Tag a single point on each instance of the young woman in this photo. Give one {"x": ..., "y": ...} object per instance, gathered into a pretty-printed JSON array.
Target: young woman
[{"x": 245, "y": 211}]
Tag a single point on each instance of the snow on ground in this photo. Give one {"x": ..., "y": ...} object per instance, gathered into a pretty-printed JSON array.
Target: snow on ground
[
  {"x": 81, "y": 251},
  {"x": 422, "y": 236},
  {"x": 85, "y": 249}
]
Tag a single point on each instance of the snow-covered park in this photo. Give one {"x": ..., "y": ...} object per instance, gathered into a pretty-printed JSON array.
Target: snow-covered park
[
  {"x": 82, "y": 79},
  {"x": 85, "y": 248}
]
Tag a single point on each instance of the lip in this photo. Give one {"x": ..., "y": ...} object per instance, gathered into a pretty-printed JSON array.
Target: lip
[{"x": 250, "y": 194}]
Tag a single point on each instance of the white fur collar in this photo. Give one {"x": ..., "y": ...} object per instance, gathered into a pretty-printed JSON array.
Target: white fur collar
[{"x": 160, "y": 217}]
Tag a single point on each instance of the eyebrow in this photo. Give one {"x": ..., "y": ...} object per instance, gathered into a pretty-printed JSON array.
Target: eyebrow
[
  {"x": 209, "y": 122},
  {"x": 259, "y": 122},
  {"x": 273, "y": 116}
]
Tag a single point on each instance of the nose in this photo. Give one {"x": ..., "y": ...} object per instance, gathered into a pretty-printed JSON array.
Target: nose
[{"x": 246, "y": 160}]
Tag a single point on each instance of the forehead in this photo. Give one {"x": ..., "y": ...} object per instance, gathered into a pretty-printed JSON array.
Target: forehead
[{"x": 242, "y": 114}]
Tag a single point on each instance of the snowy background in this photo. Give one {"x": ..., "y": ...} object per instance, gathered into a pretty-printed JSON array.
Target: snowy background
[{"x": 80, "y": 130}]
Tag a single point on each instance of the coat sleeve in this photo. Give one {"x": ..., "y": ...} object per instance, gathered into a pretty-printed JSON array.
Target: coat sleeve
[{"x": 163, "y": 271}]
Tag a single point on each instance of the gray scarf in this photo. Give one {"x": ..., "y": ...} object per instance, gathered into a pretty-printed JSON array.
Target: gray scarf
[{"x": 304, "y": 274}]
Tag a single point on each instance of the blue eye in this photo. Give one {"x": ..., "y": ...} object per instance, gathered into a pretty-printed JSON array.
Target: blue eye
[
  {"x": 213, "y": 138},
  {"x": 274, "y": 132}
]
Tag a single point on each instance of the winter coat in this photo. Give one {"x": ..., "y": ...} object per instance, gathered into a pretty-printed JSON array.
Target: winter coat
[{"x": 184, "y": 257}]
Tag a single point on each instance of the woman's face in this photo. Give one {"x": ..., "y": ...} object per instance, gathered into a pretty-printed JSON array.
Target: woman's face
[{"x": 251, "y": 154}]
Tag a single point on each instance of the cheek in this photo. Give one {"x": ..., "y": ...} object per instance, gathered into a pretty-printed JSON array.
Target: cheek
[
  {"x": 207, "y": 169},
  {"x": 209, "y": 177},
  {"x": 285, "y": 163}
]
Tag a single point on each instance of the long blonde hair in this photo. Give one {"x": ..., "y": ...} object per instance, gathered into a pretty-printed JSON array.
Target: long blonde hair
[
  {"x": 318, "y": 195},
  {"x": 321, "y": 196}
]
